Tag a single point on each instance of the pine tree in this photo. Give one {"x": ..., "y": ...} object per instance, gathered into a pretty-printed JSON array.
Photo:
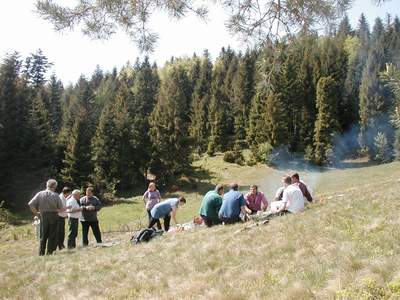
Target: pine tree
[
  {"x": 114, "y": 160},
  {"x": 199, "y": 127},
  {"x": 144, "y": 98},
  {"x": 326, "y": 124},
  {"x": 276, "y": 125},
  {"x": 36, "y": 67},
  {"x": 55, "y": 90},
  {"x": 169, "y": 125}
]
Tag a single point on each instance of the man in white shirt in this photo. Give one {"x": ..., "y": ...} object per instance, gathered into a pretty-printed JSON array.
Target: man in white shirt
[
  {"x": 74, "y": 214},
  {"x": 292, "y": 199},
  {"x": 65, "y": 194}
]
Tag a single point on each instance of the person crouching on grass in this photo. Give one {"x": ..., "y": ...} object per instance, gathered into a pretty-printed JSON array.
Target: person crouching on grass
[
  {"x": 90, "y": 206},
  {"x": 150, "y": 198},
  {"x": 166, "y": 210}
]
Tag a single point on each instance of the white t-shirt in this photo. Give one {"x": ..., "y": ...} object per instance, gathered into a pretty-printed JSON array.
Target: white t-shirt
[
  {"x": 293, "y": 196},
  {"x": 74, "y": 204},
  {"x": 64, "y": 202}
]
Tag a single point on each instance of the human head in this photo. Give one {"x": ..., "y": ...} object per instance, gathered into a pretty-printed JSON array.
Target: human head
[
  {"x": 182, "y": 200},
  {"x": 219, "y": 188},
  {"x": 253, "y": 189},
  {"x": 51, "y": 184},
  {"x": 234, "y": 186},
  {"x": 89, "y": 191},
  {"x": 152, "y": 186},
  {"x": 66, "y": 191},
  {"x": 295, "y": 177},
  {"x": 76, "y": 194},
  {"x": 287, "y": 180}
]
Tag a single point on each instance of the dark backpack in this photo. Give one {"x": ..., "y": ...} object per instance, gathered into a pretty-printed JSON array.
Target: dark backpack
[{"x": 145, "y": 235}]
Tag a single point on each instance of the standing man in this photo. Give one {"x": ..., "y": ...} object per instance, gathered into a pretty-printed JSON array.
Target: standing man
[
  {"x": 292, "y": 200},
  {"x": 302, "y": 186},
  {"x": 74, "y": 214},
  {"x": 210, "y": 206},
  {"x": 46, "y": 205},
  {"x": 256, "y": 200},
  {"x": 65, "y": 194},
  {"x": 232, "y": 204},
  {"x": 166, "y": 210},
  {"x": 90, "y": 206}
]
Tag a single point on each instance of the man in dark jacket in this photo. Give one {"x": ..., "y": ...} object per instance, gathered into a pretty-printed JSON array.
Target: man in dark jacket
[{"x": 90, "y": 206}]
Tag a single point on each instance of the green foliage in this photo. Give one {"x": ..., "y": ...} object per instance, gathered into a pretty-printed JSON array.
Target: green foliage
[
  {"x": 382, "y": 149},
  {"x": 234, "y": 157},
  {"x": 326, "y": 124},
  {"x": 6, "y": 217},
  {"x": 262, "y": 153},
  {"x": 169, "y": 123}
]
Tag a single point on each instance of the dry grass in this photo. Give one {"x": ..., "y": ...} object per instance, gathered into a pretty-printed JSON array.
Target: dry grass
[{"x": 346, "y": 247}]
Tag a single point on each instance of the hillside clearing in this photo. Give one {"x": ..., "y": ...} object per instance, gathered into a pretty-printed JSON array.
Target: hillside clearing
[{"x": 345, "y": 247}]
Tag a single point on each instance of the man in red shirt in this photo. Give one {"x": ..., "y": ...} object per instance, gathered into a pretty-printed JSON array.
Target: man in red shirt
[{"x": 255, "y": 200}]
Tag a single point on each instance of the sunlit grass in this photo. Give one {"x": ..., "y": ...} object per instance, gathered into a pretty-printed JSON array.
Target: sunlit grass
[{"x": 346, "y": 247}]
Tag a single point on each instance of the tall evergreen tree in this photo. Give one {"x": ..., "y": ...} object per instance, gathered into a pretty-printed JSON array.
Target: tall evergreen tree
[
  {"x": 36, "y": 67},
  {"x": 170, "y": 125},
  {"x": 55, "y": 90},
  {"x": 326, "y": 124},
  {"x": 199, "y": 127}
]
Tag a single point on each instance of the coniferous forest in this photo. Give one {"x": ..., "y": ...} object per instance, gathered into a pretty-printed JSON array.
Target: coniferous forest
[{"x": 324, "y": 98}]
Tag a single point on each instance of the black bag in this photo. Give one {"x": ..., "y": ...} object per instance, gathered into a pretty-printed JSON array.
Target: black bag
[{"x": 145, "y": 235}]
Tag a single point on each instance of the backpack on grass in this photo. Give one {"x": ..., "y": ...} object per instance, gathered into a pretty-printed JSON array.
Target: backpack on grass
[{"x": 145, "y": 235}]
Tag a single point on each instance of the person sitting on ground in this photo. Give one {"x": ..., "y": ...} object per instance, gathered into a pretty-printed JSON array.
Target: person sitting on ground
[
  {"x": 46, "y": 205},
  {"x": 279, "y": 193},
  {"x": 303, "y": 187},
  {"x": 150, "y": 198},
  {"x": 255, "y": 200},
  {"x": 90, "y": 206},
  {"x": 292, "y": 200},
  {"x": 166, "y": 210},
  {"x": 210, "y": 206},
  {"x": 233, "y": 204},
  {"x": 74, "y": 215},
  {"x": 64, "y": 195}
]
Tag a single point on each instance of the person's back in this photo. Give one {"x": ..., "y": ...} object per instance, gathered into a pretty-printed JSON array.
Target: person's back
[
  {"x": 293, "y": 196},
  {"x": 46, "y": 201},
  {"x": 211, "y": 204},
  {"x": 231, "y": 204},
  {"x": 164, "y": 208}
]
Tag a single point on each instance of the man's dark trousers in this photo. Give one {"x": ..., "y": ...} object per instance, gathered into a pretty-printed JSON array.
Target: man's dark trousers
[
  {"x": 85, "y": 231},
  {"x": 72, "y": 232},
  {"x": 48, "y": 232},
  {"x": 61, "y": 232}
]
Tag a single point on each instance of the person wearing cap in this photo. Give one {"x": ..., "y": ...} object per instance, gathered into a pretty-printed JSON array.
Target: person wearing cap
[
  {"x": 74, "y": 215},
  {"x": 64, "y": 195},
  {"x": 210, "y": 206},
  {"x": 46, "y": 205},
  {"x": 166, "y": 210},
  {"x": 255, "y": 200},
  {"x": 233, "y": 204}
]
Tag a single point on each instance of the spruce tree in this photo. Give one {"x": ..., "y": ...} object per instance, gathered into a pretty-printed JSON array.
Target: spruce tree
[
  {"x": 169, "y": 125},
  {"x": 326, "y": 124},
  {"x": 199, "y": 127},
  {"x": 55, "y": 90}
]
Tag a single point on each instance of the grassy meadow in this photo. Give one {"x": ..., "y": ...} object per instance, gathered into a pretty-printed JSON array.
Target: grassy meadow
[{"x": 344, "y": 246}]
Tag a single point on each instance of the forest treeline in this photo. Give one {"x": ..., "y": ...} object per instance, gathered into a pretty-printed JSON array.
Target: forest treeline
[{"x": 321, "y": 97}]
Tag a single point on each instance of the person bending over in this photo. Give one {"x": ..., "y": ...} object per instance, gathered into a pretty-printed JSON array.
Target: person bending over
[{"x": 166, "y": 210}]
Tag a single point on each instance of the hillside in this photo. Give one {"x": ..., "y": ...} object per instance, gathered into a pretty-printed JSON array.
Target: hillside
[{"x": 346, "y": 247}]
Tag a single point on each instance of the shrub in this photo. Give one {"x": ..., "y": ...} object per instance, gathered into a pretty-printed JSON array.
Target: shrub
[
  {"x": 382, "y": 149},
  {"x": 262, "y": 153},
  {"x": 6, "y": 217},
  {"x": 234, "y": 157},
  {"x": 251, "y": 162}
]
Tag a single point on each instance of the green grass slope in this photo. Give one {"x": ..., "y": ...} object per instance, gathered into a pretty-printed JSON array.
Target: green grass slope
[{"x": 345, "y": 247}]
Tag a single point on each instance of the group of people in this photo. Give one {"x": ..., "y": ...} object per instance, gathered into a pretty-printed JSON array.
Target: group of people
[
  {"x": 53, "y": 209},
  {"x": 217, "y": 207}
]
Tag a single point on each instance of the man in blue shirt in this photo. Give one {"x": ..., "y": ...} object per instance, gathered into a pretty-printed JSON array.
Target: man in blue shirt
[
  {"x": 166, "y": 210},
  {"x": 232, "y": 204}
]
